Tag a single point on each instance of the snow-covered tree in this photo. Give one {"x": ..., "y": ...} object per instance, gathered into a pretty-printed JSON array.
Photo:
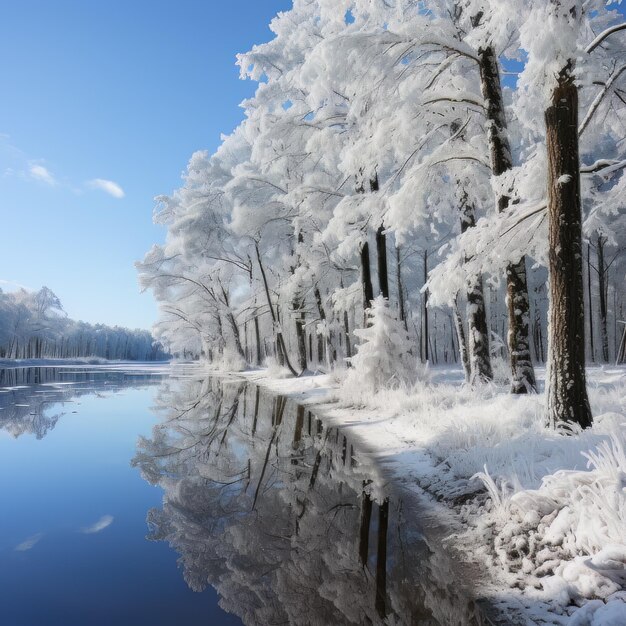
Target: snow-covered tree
[{"x": 33, "y": 325}]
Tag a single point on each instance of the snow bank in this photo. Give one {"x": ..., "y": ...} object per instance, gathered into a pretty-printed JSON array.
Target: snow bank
[{"x": 545, "y": 511}]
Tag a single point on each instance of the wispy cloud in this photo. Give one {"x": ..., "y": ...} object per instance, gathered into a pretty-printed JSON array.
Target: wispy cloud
[
  {"x": 11, "y": 283},
  {"x": 29, "y": 543},
  {"x": 108, "y": 186},
  {"x": 104, "y": 522},
  {"x": 14, "y": 162},
  {"x": 41, "y": 173}
]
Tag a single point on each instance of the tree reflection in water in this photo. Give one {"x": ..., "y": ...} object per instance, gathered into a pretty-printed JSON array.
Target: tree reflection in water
[{"x": 273, "y": 509}]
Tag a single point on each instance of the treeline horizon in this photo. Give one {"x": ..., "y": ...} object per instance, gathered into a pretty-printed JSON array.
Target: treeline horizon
[{"x": 33, "y": 325}]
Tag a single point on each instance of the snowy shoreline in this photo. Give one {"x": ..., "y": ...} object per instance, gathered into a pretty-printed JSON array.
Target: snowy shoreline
[
  {"x": 538, "y": 517},
  {"x": 543, "y": 512}
]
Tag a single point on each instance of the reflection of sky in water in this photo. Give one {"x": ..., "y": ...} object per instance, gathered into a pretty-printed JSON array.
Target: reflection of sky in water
[{"x": 73, "y": 523}]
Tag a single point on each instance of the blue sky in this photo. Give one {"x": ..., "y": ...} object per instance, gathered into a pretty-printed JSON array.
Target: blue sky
[{"x": 103, "y": 92}]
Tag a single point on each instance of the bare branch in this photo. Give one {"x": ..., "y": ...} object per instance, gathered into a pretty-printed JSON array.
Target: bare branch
[
  {"x": 598, "y": 99},
  {"x": 603, "y": 35},
  {"x": 460, "y": 100}
]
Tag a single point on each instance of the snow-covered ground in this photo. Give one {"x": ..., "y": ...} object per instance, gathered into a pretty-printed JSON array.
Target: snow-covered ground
[{"x": 544, "y": 512}]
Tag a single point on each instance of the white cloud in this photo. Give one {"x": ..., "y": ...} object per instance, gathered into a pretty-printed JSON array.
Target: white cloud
[
  {"x": 108, "y": 186},
  {"x": 39, "y": 172},
  {"x": 104, "y": 522},
  {"x": 29, "y": 543},
  {"x": 11, "y": 283}
]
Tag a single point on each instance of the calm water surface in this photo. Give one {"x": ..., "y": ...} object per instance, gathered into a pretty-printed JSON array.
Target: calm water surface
[
  {"x": 73, "y": 547},
  {"x": 110, "y": 477}
]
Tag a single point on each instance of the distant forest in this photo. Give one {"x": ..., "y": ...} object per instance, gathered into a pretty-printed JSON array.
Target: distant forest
[{"x": 33, "y": 325}]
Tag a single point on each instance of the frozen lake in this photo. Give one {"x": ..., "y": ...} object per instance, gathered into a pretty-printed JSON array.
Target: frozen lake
[{"x": 110, "y": 476}]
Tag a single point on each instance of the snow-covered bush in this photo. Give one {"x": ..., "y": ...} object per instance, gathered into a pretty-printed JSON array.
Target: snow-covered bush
[
  {"x": 275, "y": 369},
  {"x": 231, "y": 361},
  {"x": 501, "y": 370},
  {"x": 383, "y": 358}
]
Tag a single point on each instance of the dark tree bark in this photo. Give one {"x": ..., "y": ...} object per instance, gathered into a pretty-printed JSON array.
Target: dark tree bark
[
  {"x": 346, "y": 328},
  {"x": 602, "y": 293},
  {"x": 425, "y": 335},
  {"x": 257, "y": 334},
  {"x": 381, "y": 559},
  {"x": 621, "y": 352},
  {"x": 518, "y": 303},
  {"x": 593, "y": 350},
  {"x": 301, "y": 337},
  {"x": 535, "y": 332},
  {"x": 434, "y": 354},
  {"x": 364, "y": 529},
  {"x": 366, "y": 276},
  {"x": 366, "y": 271},
  {"x": 381, "y": 249},
  {"x": 401, "y": 304},
  {"x": 566, "y": 385},
  {"x": 278, "y": 351},
  {"x": 297, "y": 433},
  {"x": 320, "y": 349}
]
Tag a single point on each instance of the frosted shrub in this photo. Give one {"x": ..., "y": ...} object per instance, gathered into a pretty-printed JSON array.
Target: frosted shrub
[
  {"x": 501, "y": 370},
  {"x": 382, "y": 360},
  {"x": 275, "y": 369},
  {"x": 231, "y": 361}
]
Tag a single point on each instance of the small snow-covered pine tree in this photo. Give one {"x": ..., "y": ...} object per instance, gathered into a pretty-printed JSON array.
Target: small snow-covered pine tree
[{"x": 383, "y": 358}]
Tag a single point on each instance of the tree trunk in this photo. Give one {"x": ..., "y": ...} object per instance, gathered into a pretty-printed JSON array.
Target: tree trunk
[
  {"x": 593, "y": 351},
  {"x": 602, "y": 292},
  {"x": 220, "y": 329},
  {"x": 621, "y": 353},
  {"x": 477, "y": 329},
  {"x": 381, "y": 249},
  {"x": 366, "y": 276},
  {"x": 235, "y": 329},
  {"x": 434, "y": 354},
  {"x": 280, "y": 342},
  {"x": 232, "y": 322},
  {"x": 257, "y": 334},
  {"x": 566, "y": 381},
  {"x": 346, "y": 329},
  {"x": 320, "y": 339},
  {"x": 518, "y": 306},
  {"x": 425, "y": 335},
  {"x": 480, "y": 361},
  {"x": 301, "y": 336},
  {"x": 518, "y": 303},
  {"x": 401, "y": 304},
  {"x": 462, "y": 341},
  {"x": 300, "y": 315}
]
